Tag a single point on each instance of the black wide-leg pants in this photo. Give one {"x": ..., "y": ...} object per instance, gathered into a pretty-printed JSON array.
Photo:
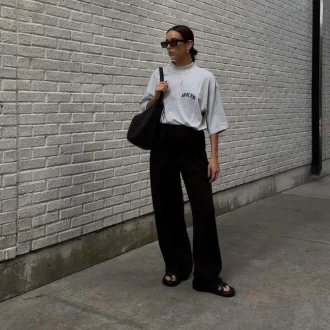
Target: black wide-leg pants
[{"x": 181, "y": 150}]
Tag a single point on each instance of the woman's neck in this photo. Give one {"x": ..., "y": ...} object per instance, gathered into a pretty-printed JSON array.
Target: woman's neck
[{"x": 183, "y": 62}]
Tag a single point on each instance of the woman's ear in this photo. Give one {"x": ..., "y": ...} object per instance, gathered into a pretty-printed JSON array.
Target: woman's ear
[{"x": 190, "y": 45}]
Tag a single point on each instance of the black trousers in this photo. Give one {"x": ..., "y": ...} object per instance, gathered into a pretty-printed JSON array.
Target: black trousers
[{"x": 181, "y": 150}]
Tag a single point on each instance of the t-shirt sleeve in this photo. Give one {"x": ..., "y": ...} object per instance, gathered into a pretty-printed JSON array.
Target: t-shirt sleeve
[
  {"x": 150, "y": 92},
  {"x": 213, "y": 108}
]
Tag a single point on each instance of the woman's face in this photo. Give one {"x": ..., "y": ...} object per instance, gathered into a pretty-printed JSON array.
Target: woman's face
[{"x": 179, "y": 52}]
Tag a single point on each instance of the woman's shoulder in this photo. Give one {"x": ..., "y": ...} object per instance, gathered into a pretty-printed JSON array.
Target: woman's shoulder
[{"x": 206, "y": 74}]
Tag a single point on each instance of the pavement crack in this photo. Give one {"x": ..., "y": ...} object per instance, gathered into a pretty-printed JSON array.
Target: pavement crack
[
  {"x": 91, "y": 310},
  {"x": 34, "y": 297},
  {"x": 305, "y": 195},
  {"x": 284, "y": 236}
]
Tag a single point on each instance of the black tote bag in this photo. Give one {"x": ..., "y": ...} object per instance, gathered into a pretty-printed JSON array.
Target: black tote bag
[{"x": 143, "y": 127}]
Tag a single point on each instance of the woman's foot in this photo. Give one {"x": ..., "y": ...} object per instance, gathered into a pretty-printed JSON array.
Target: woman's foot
[
  {"x": 218, "y": 287},
  {"x": 172, "y": 279}
]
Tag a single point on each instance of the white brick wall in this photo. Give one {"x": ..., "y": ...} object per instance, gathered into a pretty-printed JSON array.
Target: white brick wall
[
  {"x": 326, "y": 81},
  {"x": 81, "y": 68},
  {"x": 8, "y": 133}
]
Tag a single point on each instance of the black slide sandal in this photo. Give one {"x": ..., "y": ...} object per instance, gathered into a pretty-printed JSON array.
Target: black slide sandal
[
  {"x": 216, "y": 288},
  {"x": 172, "y": 282}
]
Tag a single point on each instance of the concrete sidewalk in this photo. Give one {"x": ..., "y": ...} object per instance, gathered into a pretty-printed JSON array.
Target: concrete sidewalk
[{"x": 276, "y": 253}]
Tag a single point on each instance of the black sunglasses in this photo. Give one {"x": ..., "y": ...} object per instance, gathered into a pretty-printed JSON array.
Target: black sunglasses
[{"x": 172, "y": 42}]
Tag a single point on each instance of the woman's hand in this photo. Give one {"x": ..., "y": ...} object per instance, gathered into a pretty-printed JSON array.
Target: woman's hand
[
  {"x": 213, "y": 169},
  {"x": 161, "y": 86}
]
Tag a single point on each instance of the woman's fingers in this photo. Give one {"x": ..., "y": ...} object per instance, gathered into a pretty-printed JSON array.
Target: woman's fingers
[
  {"x": 162, "y": 86},
  {"x": 213, "y": 174}
]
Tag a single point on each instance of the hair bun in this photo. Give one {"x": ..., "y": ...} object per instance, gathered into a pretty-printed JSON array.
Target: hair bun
[{"x": 193, "y": 51}]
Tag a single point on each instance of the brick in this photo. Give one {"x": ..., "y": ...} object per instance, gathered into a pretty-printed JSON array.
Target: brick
[
  {"x": 103, "y": 154},
  {"x": 92, "y": 68},
  {"x": 58, "y": 97},
  {"x": 32, "y": 164},
  {"x": 121, "y": 208},
  {"x": 30, "y": 28},
  {"x": 92, "y": 207},
  {"x": 110, "y": 221},
  {"x": 7, "y": 97},
  {"x": 57, "y": 11},
  {"x": 94, "y": 226},
  {"x": 9, "y": 229},
  {"x": 30, "y": 234},
  {"x": 7, "y": 217},
  {"x": 71, "y": 107},
  {"x": 70, "y": 191},
  {"x": 31, "y": 142},
  {"x": 7, "y": 241},
  {"x": 43, "y": 42},
  {"x": 93, "y": 186},
  {"x": 45, "y": 219},
  {"x": 83, "y": 178},
  {"x": 69, "y": 25},
  {"x": 68, "y": 45},
  {"x": 82, "y": 199},
  {"x": 71, "y": 169},
  {"x": 44, "y": 241},
  {"x": 7, "y": 24},
  {"x": 9, "y": 60},
  {"x": 71, "y": 149},
  {"x": 89, "y": 8},
  {"x": 44, "y": 86},
  {"x": 103, "y": 194},
  {"x": 9, "y": 205},
  {"x": 58, "y": 205},
  {"x": 69, "y": 234},
  {"x": 62, "y": 55},
  {"x": 82, "y": 220},
  {"x": 24, "y": 224},
  {"x": 9, "y": 180},
  {"x": 58, "y": 182},
  {"x": 44, "y": 19},
  {"x": 70, "y": 67},
  {"x": 46, "y": 173},
  {"x": 45, "y": 130},
  {"x": 82, "y": 158},
  {"x": 69, "y": 87},
  {"x": 30, "y": 5},
  {"x": 8, "y": 168},
  {"x": 31, "y": 97},
  {"x": 44, "y": 152},
  {"x": 30, "y": 74},
  {"x": 81, "y": 17},
  {"x": 81, "y": 78},
  {"x": 23, "y": 248},
  {"x": 31, "y": 187},
  {"x": 103, "y": 214}
]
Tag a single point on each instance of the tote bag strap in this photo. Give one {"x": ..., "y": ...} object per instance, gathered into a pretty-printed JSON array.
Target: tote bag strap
[{"x": 161, "y": 76}]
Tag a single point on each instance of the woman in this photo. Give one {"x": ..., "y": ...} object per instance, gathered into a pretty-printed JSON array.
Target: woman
[{"x": 192, "y": 104}]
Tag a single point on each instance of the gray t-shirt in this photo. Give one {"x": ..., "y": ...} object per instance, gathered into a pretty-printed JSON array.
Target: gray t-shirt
[{"x": 193, "y": 98}]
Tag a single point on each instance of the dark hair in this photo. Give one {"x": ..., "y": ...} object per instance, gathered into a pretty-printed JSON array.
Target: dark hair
[{"x": 186, "y": 34}]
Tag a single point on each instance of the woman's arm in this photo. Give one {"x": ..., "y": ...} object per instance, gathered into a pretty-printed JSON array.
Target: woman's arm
[{"x": 213, "y": 168}]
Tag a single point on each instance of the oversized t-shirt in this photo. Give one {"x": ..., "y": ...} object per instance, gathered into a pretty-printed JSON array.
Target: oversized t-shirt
[{"x": 193, "y": 98}]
